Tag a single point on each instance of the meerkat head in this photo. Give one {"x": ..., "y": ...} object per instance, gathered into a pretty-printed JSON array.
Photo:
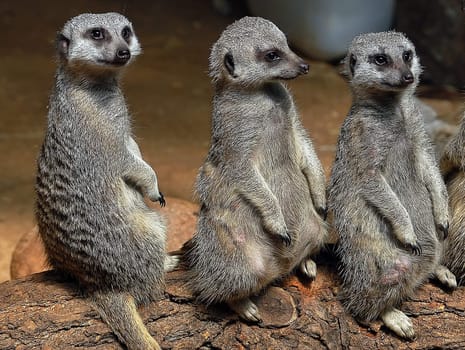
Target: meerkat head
[
  {"x": 251, "y": 52},
  {"x": 383, "y": 61},
  {"x": 100, "y": 41}
]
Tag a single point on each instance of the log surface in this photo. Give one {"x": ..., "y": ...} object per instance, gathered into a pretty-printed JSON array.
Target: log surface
[{"x": 44, "y": 312}]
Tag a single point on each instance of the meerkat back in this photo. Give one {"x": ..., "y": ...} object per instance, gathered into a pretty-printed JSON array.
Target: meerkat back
[
  {"x": 386, "y": 194},
  {"x": 91, "y": 180},
  {"x": 262, "y": 187}
]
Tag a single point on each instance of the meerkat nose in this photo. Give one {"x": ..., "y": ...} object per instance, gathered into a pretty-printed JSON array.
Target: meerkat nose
[
  {"x": 407, "y": 78},
  {"x": 304, "y": 67},
  {"x": 123, "y": 55}
]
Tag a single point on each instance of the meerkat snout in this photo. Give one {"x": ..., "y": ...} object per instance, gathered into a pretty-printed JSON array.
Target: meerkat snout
[
  {"x": 407, "y": 77},
  {"x": 122, "y": 55},
  {"x": 304, "y": 67}
]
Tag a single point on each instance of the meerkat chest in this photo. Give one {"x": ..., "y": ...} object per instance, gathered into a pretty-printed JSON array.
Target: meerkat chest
[
  {"x": 399, "y": 162},
  {"x": 278, "y": 119}
]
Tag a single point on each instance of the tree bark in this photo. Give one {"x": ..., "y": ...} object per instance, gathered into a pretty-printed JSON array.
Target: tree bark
[{"x": 43, "y": 311}]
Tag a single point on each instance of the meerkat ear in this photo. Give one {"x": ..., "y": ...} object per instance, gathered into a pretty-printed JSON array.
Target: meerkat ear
[
  {"x": 352, "y": 63},
  {"x": 229, "y": 64},
  {"x": 62, "y": 44}
]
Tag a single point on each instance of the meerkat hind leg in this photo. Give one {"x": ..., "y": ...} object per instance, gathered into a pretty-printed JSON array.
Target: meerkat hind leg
[
  {"x": 308, "y": 268},
  {"x": 246, "y": 309},
  {"x": 398, "y": 322},
  {"x": 445, "y": 276}
]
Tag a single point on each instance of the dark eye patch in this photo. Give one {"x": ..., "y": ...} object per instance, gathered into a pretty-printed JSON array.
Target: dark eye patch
[
  {"x": 97, "y": 33},
  {"x": 380, "y": 59},
  {"x": 407, "y": 56},
  {"x": 126, "y": 33},
  {"x": 273, "y": 55}
]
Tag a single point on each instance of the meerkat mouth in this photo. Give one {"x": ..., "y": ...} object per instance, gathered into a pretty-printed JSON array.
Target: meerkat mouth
[
  {"x": 114, "y": 63},
  {"x": 399, "y": 86}
]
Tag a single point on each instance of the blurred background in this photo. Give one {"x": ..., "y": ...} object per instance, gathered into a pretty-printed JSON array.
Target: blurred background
[{"x": 168, "y": 89}]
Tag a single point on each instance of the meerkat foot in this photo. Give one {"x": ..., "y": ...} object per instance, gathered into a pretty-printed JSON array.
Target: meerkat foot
[
  {"x": 399, "y": 323},
  {"x": 445, "y": 276},
  {"x": 308, "y": 268},
  {"x": 246, "y": 309},
  {"x": 171, "y": 262}
]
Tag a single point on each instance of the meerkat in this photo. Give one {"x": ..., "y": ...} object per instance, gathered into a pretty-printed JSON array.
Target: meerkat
[
  {"x": 386, "y": 193},
  {"x": 453, "y": 166},
  {"x": 439, "y": 131},
  {"x": 262, "y": 187},
  {"x": 91, "y": 180}
]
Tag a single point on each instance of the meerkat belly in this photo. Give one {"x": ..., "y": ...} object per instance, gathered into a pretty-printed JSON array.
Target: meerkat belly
[
  {"x": 279, "y": 166},
  {"x": 414, "y": 196},
  {"x": 286, "y": 180},
  {"x": 89, "y": 240}
]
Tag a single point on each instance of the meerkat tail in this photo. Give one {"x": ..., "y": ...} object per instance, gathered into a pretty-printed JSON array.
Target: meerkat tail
[{"x": 119, "y": 311}]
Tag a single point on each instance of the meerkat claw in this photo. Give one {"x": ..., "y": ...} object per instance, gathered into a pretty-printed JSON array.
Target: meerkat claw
[
  {"x": 323, "y": 212},
  {"x": 286, "y": 238},
  {"x": 415, "y": 248},
  {"x": 444, "y": 228},
  {"x": 246, "y": 310},
  {"x": 162, "y": 200}
]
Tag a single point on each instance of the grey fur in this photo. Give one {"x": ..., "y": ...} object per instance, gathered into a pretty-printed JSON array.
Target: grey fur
[
  {"x": 439, "y": 131},
  {"x": 453, "y": 168},
  {"x": 262, "y": 186},
  {"x": 388, "y": 199},
  {"x": 91, "y": 180}
]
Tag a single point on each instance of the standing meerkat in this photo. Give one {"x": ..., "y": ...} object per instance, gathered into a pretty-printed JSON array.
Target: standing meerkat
[
  {"x": 91, "y": 180},
  {"x": 386, "y": 193},
  {"x": 262, "y": 187},
  {"x": 453, "y": 168}
]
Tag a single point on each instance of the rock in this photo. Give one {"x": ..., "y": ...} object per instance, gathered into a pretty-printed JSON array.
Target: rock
[{"x": 181, "y": 216}]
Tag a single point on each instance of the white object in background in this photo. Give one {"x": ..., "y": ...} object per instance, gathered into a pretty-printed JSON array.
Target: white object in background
[{"x": 323, "y": 29}]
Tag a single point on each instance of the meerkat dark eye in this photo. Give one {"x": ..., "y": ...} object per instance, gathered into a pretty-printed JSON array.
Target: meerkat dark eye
[
  {"x": 126, "y": 33},
  {"x": 97, "y": 34},
  {"x": 272, "y": 56},
  {"x": 407, "y": 56},
  {"x": 381, "y": 60}
]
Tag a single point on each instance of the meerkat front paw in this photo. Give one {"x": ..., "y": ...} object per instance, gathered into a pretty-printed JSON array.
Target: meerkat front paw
[
  {"x": 399, "y": 323},
  {"x": 162, "y": 200},
  {"x": 414, "y": 247},
  {"x": 443, "y": 230},
  {"x": 278, "y": 229},
  {"x": 156, "y": 196},
  {"x": 323, "y": 212},
  {"x": 409, "y": 239},
  {"x": 246, "y": 309}
]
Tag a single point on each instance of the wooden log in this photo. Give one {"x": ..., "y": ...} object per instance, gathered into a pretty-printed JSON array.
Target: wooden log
[{"x": 44, "y": 312}]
